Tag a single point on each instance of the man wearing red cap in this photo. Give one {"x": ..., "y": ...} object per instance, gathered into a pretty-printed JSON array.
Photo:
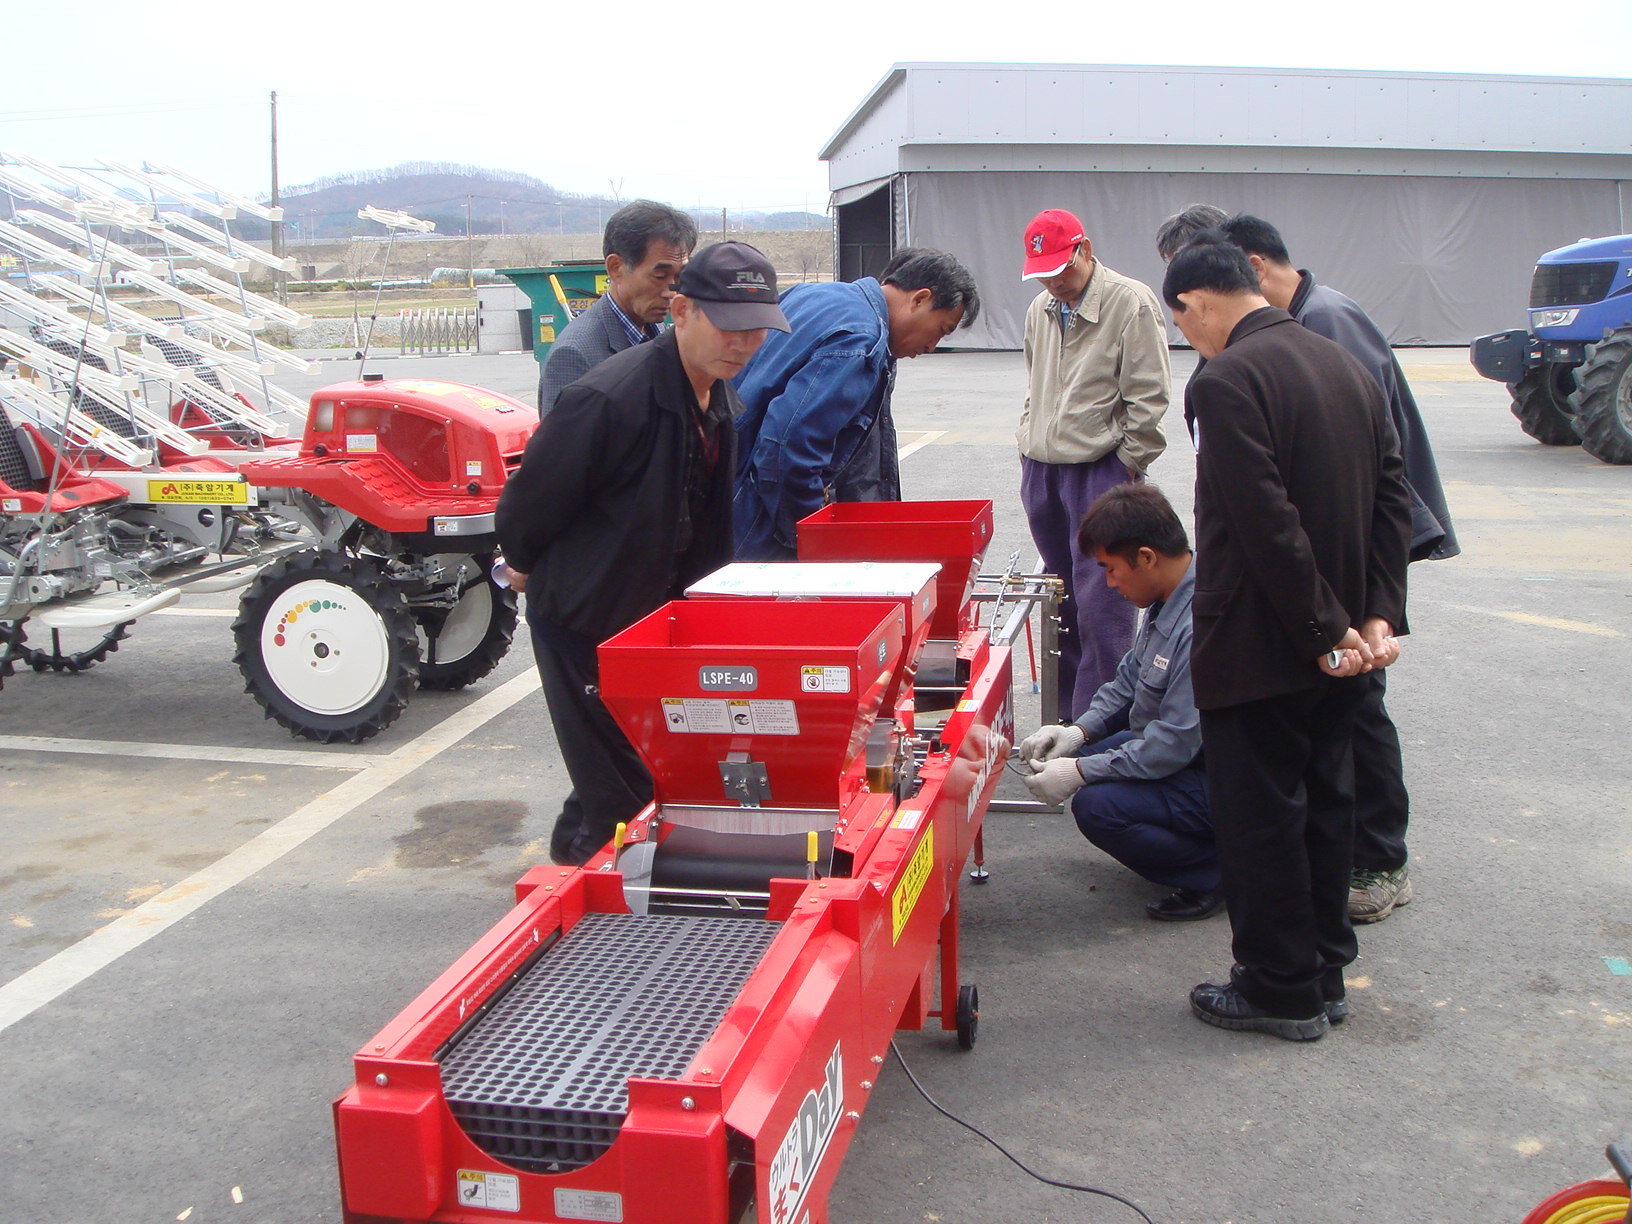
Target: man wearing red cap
[{"x": 1096, "y": 360}]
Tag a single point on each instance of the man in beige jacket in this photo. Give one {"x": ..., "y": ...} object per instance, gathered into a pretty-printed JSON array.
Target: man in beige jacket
[{"x": 1096, "y": 362}]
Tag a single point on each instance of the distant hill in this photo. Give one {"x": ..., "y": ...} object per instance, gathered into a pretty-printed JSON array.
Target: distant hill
[{"x": 499, "y": 202}]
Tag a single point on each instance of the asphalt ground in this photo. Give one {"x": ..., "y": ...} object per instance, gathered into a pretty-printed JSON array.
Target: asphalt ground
[{"x": 201, "y": 918}]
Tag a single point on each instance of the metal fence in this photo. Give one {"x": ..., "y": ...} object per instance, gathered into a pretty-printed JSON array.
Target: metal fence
[{"x": 437, "y": 330}]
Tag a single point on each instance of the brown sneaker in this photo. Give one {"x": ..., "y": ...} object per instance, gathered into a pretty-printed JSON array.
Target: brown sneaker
[{"x": 1374, "y": 895}]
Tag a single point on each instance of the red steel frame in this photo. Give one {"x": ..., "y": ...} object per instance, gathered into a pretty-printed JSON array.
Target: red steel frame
[{"x": 776, "y": 1093}]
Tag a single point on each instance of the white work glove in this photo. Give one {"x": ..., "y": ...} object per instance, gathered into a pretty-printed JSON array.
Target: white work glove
[
  {"x": 1055, "y": 782},
  {"x": 1046, "y": 743}
]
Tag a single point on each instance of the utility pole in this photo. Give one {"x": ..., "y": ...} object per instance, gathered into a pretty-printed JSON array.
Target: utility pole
[
  {"x": 470, "y": 246},
  {"x": 277, "y": 226},
  {"x": 724, "y": 233}
]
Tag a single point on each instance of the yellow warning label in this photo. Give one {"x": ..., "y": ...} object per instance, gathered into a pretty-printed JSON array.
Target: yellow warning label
[
  {"x": 905, "y": 897},
  {"x": 199, "y": 492}
]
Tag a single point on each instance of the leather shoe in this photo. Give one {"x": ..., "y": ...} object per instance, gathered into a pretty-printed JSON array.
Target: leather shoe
[
  {"x": 1226, "y": 1007},
  {"x": 1337, "y": 1010},
  {"x": 1186, "y": 905}
]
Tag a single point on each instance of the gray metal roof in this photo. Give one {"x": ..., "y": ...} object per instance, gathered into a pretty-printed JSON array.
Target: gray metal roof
[{"x": 952, "y": 116}]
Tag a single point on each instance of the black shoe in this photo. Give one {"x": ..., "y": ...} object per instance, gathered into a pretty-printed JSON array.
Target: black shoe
[
  {"x": 1226, "y": 1007},
  {"x": 1337, "y": 1010},
  {"x": 1186, "y": 905}
]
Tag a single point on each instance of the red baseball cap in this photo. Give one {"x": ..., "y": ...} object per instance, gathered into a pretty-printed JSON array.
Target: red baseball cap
[{"x": 1051, "y": 238}]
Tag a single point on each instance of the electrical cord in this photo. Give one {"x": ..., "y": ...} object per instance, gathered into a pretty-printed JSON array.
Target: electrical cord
[{"x": 975, "y": 1130}]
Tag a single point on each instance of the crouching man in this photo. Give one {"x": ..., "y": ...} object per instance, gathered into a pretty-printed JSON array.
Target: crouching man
[{"x": 1131, "y": 764}]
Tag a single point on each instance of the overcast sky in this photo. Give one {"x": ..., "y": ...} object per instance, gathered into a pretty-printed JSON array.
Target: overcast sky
[{"x": 716, "y": 104}]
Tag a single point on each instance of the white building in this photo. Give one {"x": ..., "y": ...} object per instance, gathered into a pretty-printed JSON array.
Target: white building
[{"x": 1425, "y": 197}]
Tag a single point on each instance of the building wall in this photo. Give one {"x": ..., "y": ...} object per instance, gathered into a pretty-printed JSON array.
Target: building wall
[{"x": 1434, "y": 260}]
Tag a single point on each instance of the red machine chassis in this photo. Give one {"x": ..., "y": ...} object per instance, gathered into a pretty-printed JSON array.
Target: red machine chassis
[{"x": 766, "y": 1109}]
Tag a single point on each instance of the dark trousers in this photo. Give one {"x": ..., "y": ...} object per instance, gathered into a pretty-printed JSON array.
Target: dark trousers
[
  {"x": 610, "y": 783},
  {"x": 1281, "y": 779},
  {"x": 1382, "y": 806},
  {"x": 1096, "y": 624},
  {"x": 1159, "y": 828}
]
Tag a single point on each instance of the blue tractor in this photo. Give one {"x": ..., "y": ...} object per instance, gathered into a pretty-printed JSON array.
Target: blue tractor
[{"x": 1570, "y": 374}]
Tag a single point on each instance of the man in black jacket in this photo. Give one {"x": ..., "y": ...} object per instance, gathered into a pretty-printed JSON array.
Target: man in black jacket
[
  {"x": 1302, "y": 523},
  {"x": 1380, "y": 879},
  {"x": 622, "y": 500}
]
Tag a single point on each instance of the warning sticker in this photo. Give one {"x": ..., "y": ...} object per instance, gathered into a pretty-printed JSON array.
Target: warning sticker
[
  {"x": 696, "y": 715},
  {"x": 12, "y": 505},
  {"x": 824, "y": 679},
  {"x": 495, "y": 1191},
  {"x": 363, "y": 443},
  {"x": 719, "y": 716},
  {"x": 905, "y": 897},
  {"x": 763, "y": 717},
  {"x": 907, "y": 818},
  {"x": 589, "y": 1205},
  {"x": 199, "y": 492}
]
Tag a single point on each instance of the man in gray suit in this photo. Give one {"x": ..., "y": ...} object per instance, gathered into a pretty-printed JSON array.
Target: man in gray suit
[{"x": 645, "y": 245}]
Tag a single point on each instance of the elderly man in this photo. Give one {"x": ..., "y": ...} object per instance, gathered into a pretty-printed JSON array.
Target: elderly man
[
  {"x": 1137, "y": 789},
  {"x": 645, "y": 246},
  {"x": 1098, "y": 385},
  {"x": 1382, "y": 806},
  {"x": 816, "y": 425},
  {"x": 1175, "y": 233},
  {"x": 623, "y": 499},
  {"x": 1302, "y": 524}
]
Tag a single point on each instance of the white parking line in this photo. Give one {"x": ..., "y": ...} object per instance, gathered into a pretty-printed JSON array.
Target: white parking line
[
  {"x": 923, "y": 441},
  {"x": 186, "y": 752},
  {"x": 30, "y": 991}
]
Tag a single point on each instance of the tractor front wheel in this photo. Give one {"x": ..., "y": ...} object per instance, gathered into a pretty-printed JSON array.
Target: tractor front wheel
[
  {"x": 1541, "y": 401},
  {"x": 326, "y": 645},
  {"x": 1603, "y": 398},
  {"x": 461, "y": 644}
]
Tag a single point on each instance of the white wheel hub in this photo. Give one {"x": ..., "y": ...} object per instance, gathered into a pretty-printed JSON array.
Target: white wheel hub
[
  {"x": 325, "y": 647},
  {"x": 464, "y": 629}
]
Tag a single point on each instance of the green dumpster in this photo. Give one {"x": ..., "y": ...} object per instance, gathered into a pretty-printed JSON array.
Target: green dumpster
[{"x": 567, "y": 285}]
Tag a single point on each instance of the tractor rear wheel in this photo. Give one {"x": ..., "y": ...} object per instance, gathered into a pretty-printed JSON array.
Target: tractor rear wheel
[
  {"x": 1541, "y": 401},
  {"x": 1603, "y": 398},
  {"x": 326, "y": 645},
  {"x": 461, "y": 644}
]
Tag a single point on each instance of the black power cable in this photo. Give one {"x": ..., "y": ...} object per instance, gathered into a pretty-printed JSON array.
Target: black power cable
[{"x": 975, "y": 1130}]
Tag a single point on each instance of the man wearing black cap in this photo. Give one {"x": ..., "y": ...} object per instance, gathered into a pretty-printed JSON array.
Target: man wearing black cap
[{"x": 622, "y": 500}]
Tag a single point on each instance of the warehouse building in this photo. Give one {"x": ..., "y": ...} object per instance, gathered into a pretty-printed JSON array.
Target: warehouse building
[{"x": 1426, "y": 197}]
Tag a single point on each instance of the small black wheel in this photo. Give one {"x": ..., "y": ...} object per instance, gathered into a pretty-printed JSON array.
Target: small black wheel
[
  {"x": 461, "y": 644},
  {"x": 1541, "y": 401},
  {"x": 1603, "y": 398},
  {"x": 968, "y": 1016},
  {"x": 11, "y": 642},
  {"x": 326, "y": 646},
  {"x": 70, "y": 650}
]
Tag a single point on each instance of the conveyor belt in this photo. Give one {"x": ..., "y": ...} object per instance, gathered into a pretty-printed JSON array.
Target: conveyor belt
[{"x": 541, "y": 1080}]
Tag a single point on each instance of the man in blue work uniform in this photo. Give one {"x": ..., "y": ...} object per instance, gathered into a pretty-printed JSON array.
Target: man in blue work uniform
[
  {"x": 1139, "y": 791},
  {"x": 816, "y": 425}
]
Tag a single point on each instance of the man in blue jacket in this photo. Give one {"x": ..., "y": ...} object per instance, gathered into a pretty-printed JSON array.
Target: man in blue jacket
[
  {"x": 816, "y": 425},
  {"x": 1138, "y": 789}
]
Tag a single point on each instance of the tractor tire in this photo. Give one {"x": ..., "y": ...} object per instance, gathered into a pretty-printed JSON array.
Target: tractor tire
[
  {"x": 1603, "y": 398},
  {"x": 71, "y": 650},
  {"x": 1541, "y": 401},
  {"x": 326, "y": 646},
  {"x": 461, "y": 644}
]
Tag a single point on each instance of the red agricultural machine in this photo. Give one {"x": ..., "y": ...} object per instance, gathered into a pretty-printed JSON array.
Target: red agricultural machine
[
  {"x": 687, "y": 1029},
  {"x": 144, "y": 455}
]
